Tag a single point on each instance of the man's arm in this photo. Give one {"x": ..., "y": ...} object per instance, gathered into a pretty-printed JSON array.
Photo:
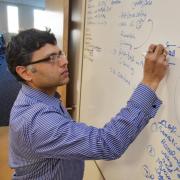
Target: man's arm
[{"x": 59, "y": 137}]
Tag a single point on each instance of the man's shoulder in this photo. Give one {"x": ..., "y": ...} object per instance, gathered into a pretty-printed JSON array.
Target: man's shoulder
[{"x": 25, "y": 109}]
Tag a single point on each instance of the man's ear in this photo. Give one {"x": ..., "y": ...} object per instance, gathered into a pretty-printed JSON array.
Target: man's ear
[{"x": 24, "y": 73}]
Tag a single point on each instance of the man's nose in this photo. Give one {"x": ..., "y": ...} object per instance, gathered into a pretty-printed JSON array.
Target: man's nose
[{"x": 63, "y": 61}]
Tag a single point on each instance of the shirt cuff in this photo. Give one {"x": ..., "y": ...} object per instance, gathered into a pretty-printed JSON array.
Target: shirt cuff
[{"x": 146, "y": 98}]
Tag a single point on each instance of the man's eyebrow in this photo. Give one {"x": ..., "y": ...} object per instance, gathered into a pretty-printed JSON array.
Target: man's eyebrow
[{"x": 53, "y": 53}]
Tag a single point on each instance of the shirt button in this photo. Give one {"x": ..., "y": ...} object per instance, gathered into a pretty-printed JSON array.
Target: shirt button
[{"x": 154, "y": 106}]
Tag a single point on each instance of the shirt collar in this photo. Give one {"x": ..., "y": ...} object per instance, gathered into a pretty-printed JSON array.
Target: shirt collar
[{"x": 40, "y": 96}]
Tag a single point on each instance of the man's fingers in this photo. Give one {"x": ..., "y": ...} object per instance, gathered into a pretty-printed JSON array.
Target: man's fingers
[
  {"x": 151, "y": 48},
  {"x": 165, "y": 53},
  {"x": 159, "y": 50}
]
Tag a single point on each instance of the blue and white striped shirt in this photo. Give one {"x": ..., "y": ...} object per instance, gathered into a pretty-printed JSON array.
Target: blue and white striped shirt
[{"x": 47, "y": 144}]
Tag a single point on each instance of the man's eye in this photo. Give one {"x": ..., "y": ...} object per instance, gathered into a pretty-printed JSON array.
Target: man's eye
[{"x": 52, "y": 57}]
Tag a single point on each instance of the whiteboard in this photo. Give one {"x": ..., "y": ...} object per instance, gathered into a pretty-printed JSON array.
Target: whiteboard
[{"x": 117, "y": 32}]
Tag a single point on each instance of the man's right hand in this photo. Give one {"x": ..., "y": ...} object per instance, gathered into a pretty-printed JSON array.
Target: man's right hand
[{"x": 155, "y": 66}]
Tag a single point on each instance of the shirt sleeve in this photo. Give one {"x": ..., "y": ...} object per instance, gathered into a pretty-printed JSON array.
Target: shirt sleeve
[{"x": 55, "y": 136}]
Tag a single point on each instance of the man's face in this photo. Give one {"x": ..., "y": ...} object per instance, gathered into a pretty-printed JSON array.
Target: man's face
[{"x": 49, "y": 74}]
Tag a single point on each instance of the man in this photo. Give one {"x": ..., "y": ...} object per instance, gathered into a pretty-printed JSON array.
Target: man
[{"x": 45, "y": 143}]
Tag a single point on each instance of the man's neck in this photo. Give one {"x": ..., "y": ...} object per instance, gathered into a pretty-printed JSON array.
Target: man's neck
[{"x": 47, "y": 90}]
